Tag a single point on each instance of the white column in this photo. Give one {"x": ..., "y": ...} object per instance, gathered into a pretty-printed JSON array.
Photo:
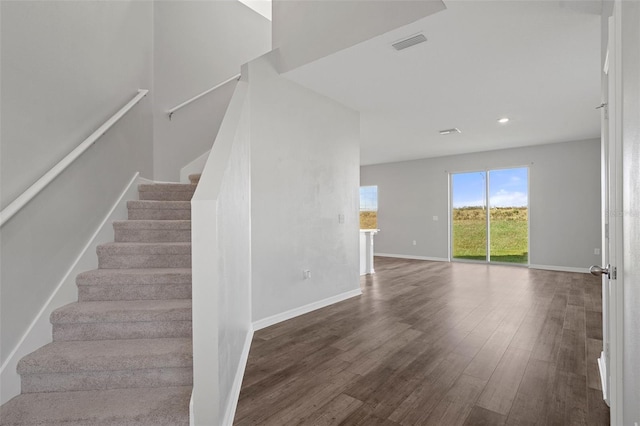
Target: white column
[{"x": 366, "y": 251}]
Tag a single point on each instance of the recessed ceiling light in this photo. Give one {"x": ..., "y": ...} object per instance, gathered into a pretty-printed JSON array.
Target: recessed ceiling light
[
  {"x": 503, "y": 120},
  {"x": 450, "y": 131}
]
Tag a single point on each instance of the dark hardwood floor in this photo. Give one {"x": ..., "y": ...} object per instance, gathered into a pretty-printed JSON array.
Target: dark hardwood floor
[{"x": 431, "y": 343}]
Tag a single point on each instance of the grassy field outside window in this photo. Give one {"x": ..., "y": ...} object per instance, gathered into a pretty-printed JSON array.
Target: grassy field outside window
[{"x": 509, "y": 233}]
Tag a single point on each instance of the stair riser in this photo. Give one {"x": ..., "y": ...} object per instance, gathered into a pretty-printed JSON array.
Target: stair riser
[
  {"x": 166, "y": 195},
  {"x": 92, "y": 293},
  {"x": 121, "y": 330},
  {"x": 129, "y": 261},
  {"x": 100, "y": 380},
  {"x": 152, "y": 236},
  {"x": 159, "y": 214}
]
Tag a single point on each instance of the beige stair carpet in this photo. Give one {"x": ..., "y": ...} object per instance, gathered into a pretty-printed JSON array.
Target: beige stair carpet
[{"x": 122, "y": 354}]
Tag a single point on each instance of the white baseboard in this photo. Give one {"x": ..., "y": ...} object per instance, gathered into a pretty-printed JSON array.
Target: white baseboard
[
  {"x": 39, "y": 332},
  {"x": 230, "y": 411},
  {"x": 408, "y": 256},
  {"x": 232, "y": 405},
  {"x": 266, "y": 322},
  {"x": 560, "y": 268}
]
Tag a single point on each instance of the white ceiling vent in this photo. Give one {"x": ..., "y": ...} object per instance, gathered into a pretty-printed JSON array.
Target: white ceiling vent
[
  {"x": 449, "y": 131},
  {"x": 408, "y": 42}
]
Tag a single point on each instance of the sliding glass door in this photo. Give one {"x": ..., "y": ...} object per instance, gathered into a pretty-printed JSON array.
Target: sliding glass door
[
  {"x": 490, "y": 216},
  {"x": 469, "y": 217}
]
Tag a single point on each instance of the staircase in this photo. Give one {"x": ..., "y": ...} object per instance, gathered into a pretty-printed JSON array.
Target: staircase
[{"x": 122, "y": 354}]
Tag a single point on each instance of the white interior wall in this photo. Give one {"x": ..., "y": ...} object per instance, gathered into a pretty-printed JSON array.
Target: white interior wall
[
  {"x": 631, "y": 201},
  {"x": 234, "y": 297},
  {"x": 305, "y": 31},
  {"x": 221, "y": 249},
  {"x": 304, "y": 175},
  {"x": 564, "y": 201},
  {"x": 198, "y": 44},
  {"x": 62, "y": 77}
]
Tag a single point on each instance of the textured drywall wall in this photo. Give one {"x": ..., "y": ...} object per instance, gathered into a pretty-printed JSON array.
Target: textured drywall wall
[
  {"x": 234, "y": 233},
  {"x": 304, "y": 186},
  {"x": 564, "y": 201}
]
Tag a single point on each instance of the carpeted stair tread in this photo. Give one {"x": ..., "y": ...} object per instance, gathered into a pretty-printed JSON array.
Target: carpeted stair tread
[
  {"x": 166, "y": 191},
  {"x": 108, "y": 355},
  {"x": 195, "y": 178},
  {"x": 144, "y": 255},
  {"x": 134, "y": 284},
  {"x": 152, "y": 231},
  {"x": 164, "y": 406},
  {"x": 152, "y": 224},
  {"x": 122, "y": 354},
  {"x": 145, "y": 248},
  {"x": 167, "y": 186},
  {"x": 159, "y": 210},
  {"x": 155, "y": 204},
  {"x": 123, "y": 311},
  {"x": 145, "y": 276}
]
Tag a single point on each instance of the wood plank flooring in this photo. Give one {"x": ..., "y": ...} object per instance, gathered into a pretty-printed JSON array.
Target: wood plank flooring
[{"x": 432, "y": 343}]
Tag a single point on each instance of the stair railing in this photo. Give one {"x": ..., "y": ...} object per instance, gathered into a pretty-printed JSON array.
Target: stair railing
[
  {"x": 196, "y": 97},
  {"x": 16, "y": 205}
]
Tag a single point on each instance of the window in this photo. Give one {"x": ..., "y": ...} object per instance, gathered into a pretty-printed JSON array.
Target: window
[{"x": 368, "y": 207}]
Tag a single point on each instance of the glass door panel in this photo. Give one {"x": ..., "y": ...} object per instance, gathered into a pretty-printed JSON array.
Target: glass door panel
[
  {"x": 469, "y": 216},
  {"x": 509, "y": 215}
]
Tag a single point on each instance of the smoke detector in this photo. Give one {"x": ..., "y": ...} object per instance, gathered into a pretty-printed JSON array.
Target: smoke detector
[{"x": 408, "y": 42}]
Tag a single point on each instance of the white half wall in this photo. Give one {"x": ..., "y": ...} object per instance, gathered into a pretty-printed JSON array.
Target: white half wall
[
  {"x": 564, "y": 201},
  {"x": 304, "y": 186},
  {"x": 197, "y": 45},
  {"x": 307, "y": 30},
  {"x": 234, "y": 292},
  {"x": 221, "y": 249}
]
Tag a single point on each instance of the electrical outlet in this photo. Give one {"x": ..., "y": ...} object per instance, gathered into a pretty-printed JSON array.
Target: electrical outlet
[
  {"x": 414, "y": 242},
  {"x": 596, "y": 251},
  {"x": 435, "y": 218},
  {"x": 341, "y": 218},
  {"x": 306, "y": 274}
]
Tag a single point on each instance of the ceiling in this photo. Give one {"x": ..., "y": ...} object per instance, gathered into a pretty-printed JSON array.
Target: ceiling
[{"x": 536, "y": 62}]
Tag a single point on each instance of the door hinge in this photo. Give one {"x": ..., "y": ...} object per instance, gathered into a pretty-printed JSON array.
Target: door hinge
[
  {"x": 606, "y": 230},
  {"x": 613, "y": 274}
]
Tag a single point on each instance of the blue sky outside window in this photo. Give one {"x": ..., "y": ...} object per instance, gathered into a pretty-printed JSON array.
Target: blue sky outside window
[
  {"x": 368, "y": 198},
  {"x": 508, "y": 188}
]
